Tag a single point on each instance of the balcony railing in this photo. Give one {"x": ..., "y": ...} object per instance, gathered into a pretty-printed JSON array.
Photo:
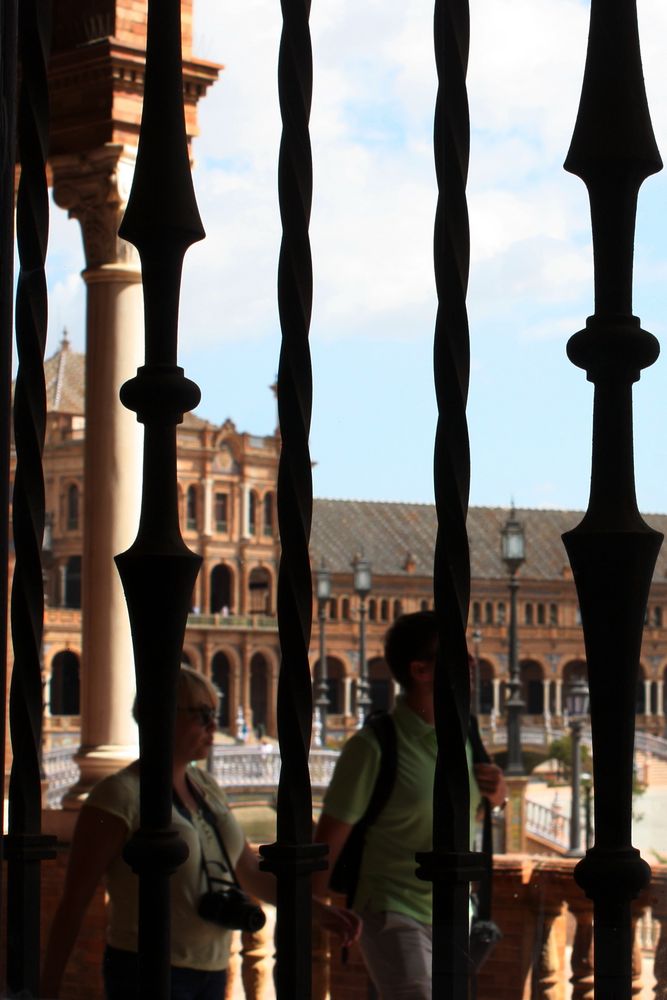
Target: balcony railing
[{"x": 244, "y": 622}]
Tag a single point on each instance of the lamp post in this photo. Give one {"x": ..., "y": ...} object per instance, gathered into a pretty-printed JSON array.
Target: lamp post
[
  {"x": 362, "y": 588},
  {"x": 577, "y": 706},
  {"x": 476, "y": 639},
  {"x": 513, "y": 551},
  {"x": 323, "y": 586}
]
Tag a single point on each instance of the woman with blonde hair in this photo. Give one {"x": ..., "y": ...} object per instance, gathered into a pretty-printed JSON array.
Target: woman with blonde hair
[{"x": 205, "y": 899}]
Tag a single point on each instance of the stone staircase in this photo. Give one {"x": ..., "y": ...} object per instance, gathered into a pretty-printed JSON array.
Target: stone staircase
[{"x": 651, "y": 770}]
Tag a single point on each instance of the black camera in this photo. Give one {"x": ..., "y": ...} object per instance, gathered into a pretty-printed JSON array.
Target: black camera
[{"x": 231, "y": 908}]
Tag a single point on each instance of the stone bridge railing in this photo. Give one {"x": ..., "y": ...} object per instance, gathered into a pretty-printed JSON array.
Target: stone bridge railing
[{"x": 546, "y": 952}]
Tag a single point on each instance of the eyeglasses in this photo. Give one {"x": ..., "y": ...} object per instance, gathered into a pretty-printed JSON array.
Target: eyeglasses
[{"x": 206, "y": 714}]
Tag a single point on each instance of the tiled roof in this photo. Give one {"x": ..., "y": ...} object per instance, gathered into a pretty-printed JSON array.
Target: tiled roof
[
  {"x": 65, "y": 380},
  {"x": 388, "y": 533},
  {"x": 65, "y": 375}
]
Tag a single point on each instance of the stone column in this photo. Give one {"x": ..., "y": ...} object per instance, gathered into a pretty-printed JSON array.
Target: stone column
[
  {"x": 245, "y": 533},
  {"x": 208, "y": 506},
  {"x": 496, "y": 695},
  {"x": 559, "y": 696},
  {"x": 582, "y": 949},
  {"x": 94, "y": 189},
  {"x": 347, "y": 696},
  {"x": 660, "y": 698},
  {"x": 62, "y": 581},
  {"x": 205, "y": 586},
  {"x": 647, "y": 698},
  {"x": 546, "y": 687},
  {"x": 245, "y": 687},
  {"x": 659, "y": 900}
]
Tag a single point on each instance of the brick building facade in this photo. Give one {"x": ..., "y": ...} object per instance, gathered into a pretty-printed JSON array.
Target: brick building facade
[{"x": 227, "y": 494}]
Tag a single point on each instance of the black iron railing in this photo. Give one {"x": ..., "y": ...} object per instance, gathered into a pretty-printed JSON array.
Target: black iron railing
[
  {"x": 294, "y": 857},
  {"x": 613, "y": 551},
  {"x": 25, "y": 846},
  {"x": 158, "y": 571}
]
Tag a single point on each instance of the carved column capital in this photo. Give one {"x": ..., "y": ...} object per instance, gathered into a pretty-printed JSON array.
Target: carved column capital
[{"x": 94, "y": 188}]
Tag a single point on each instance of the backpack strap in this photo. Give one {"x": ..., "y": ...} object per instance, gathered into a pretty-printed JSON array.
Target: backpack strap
[
  {"x": 384, "y": 730},
  {"x": 345, "y": 874}
]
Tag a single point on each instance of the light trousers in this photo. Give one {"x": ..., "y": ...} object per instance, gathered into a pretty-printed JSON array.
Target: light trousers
[{"x": 397, "y": 951}]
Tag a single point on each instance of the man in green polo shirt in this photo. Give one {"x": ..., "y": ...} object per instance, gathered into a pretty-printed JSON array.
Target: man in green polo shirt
[{"x": 394, "y": 904}]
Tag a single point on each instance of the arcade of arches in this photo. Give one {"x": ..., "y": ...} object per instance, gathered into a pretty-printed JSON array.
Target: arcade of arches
[{"x": 227, "y": 497}]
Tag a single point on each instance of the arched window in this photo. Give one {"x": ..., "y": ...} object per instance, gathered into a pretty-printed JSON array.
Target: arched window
[
  {"x": 532, "y": 688},
  {"x": 252, "y": 513},
  {"x": 259, "y": 586},
  {"x": 384, "y": 611},
  {"x": 500, "y": 612},
  {"x": 381, "y": 685},
  {"x": 640, "y": 698},
  {"x": 191, "y": 508},
  {"x": 541, "y": 620},
  {"x": 259, "y": 692},
  {"x": 476, "y": 613},
  {"x": 267, "y": 527},
  {"x": 220, "y": 674},
  {"x": 64, "y": 684},
  {"x": 398, "y": 609},
  {"x": 485, "y": 687},
  {"x": 333, "y": 609},
  {"x": 221, "y": 590},
  {"x": 335, "y": 675},
  {"x": 529, "y": 614},
  {"x": 72, "y": 595},
  {"x": 345, "y": 609},
  {"x": 372, "y": 610},
  {"x": 72, "y": 507},
  {"x": 488, "y": 613},
  {"x": 553, "y": 614},
  {"x": 221, "y": 512},
  {"x": 657, "y": 617}
]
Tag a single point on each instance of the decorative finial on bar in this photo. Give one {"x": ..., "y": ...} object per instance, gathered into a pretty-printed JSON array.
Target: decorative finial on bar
[
  {"x": 451, "y": 865},
  {"x": 25, "y": 846},
  {"x": 613, "y": 551},
  {"x": 294, "y": 857},
  {"x": 158, "y": 571}
]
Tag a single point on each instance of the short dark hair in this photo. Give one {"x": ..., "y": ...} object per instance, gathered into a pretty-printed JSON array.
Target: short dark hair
[{"x": 411, "y": 637}]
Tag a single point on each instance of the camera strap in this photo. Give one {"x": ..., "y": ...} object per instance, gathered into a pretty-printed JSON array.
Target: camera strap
[{"x": 209, "y": 817}]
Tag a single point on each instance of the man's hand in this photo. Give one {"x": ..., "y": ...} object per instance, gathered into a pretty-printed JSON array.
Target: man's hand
[
  {"x": 491, "y": 783},
  {"x": 337, "y": 920}
]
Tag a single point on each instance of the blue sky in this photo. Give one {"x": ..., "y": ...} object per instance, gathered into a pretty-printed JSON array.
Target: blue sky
[{"x": 374, "y": 199}]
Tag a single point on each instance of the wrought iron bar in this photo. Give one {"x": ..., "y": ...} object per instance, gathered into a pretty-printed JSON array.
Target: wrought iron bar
[
  {"x": 25, "y": 846},
  {"x": 8, "y": 101},
  {"x": 613, "y": 551},
  {"x": 451, "y": 865},
  {"x": 158, "y": 571},
  {"x": 294, "y": 857}
]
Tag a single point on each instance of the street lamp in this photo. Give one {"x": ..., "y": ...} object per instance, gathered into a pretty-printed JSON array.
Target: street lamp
[
  {"x": 323, "y": 590},
  {"x": 513, "y": 551},
  {"x": 476, "y": 639},
  {"x": 362, "y": 588},
  {"x": 577, "y": 707}
]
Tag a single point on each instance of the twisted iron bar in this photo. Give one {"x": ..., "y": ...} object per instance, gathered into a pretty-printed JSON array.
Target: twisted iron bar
[
  {"x": 25, "y": 847},
  {"x": 158, "y": 571},
  {"x": 451, "y": 865},
  {"x": 613, "y": 551},
  {"x": 293, "y": 857},
  {"x": 8, "y": 102}
]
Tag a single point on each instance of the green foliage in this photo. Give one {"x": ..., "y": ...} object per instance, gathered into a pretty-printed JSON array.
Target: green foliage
[{"x": 561, "y": 750}]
